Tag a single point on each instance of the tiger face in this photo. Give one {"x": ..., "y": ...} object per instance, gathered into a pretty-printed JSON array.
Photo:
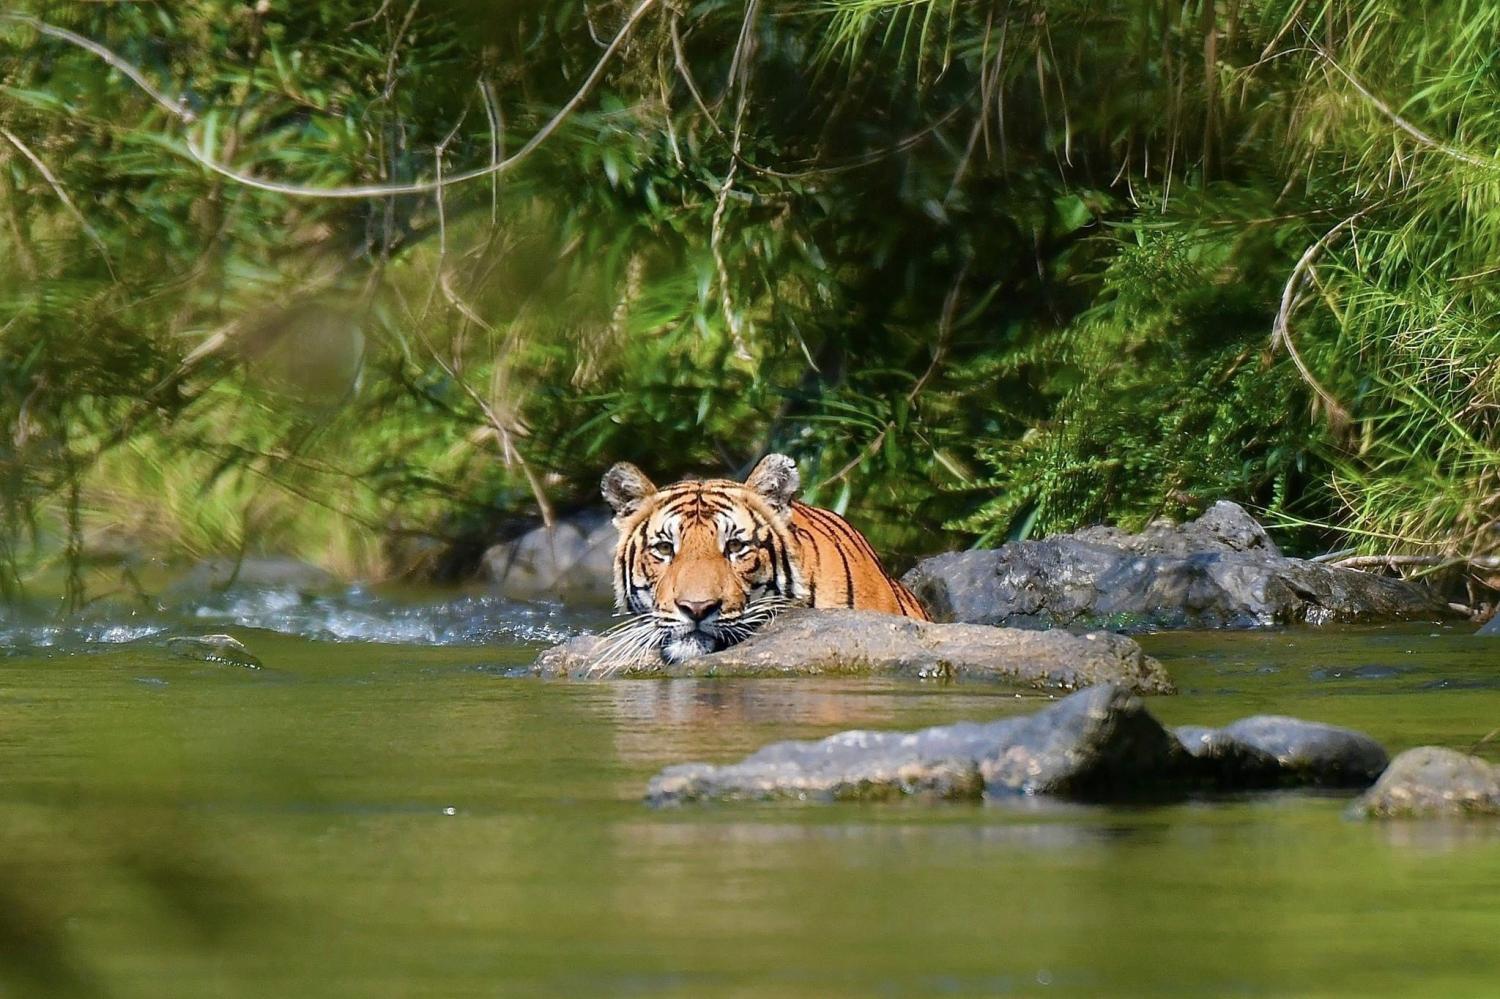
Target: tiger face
[{"x": 702, "y": 563}]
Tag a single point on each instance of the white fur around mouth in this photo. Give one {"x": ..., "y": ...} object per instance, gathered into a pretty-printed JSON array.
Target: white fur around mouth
[{"x": 688, "y": 646}]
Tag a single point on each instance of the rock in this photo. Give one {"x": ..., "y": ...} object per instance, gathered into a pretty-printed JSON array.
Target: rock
[
  {"x": 574, "y": 559},
  {"x": 1220, "y": 570},
  {"x": 1097, "y": 744},
  {"x": 224, "y": 649},
  {"x": 866, "y": 643},
  {"x": 252, "y": 572},
  {"x": 1430, "y": 781},
  {"x": 1273, "y": 750}
]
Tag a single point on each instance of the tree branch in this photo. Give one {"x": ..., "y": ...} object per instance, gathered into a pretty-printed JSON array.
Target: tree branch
[{"x": 359, "y": 190}]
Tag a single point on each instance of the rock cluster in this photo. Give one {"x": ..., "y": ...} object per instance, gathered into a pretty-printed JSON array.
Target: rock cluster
[
  {"x": 1218, "y": 571},
  {"x": 1097, "y": 744}
]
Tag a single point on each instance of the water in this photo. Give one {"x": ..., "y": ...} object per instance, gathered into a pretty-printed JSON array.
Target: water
[{"x": 365, "y": 818}]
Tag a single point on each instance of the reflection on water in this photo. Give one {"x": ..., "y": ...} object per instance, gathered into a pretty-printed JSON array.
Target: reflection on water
[
  {"x": 713, "y": 717},
  {"x": 381, "y": 819}
]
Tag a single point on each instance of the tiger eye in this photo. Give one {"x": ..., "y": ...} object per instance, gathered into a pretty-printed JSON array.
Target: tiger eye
[{"x": 663, "y": 548}]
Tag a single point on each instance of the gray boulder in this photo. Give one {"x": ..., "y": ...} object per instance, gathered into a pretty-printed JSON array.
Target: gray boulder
[
  {"x": 865, "y": 643},
  {"x": 1097, "y": 744},
  {"x": 1273, "y": 750},
  {"x": 573, "y": 560},
  {"x": 1218, "y": 571},
  {"x": 1430, "y": 781}
]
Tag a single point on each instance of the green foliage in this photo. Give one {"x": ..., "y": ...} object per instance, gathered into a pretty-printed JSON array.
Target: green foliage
[
  {"x": 1166, "y": 397},
  {"x": 1008, "y": 267}
]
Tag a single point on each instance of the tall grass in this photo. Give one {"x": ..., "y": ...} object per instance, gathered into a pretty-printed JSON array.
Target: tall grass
[{"x": 1010, "y": 267}]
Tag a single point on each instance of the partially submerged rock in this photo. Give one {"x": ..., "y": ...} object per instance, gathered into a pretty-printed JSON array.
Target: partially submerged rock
[
  {"x": 864, "y": 643},
  {"x": 1220, "y": 570},
  {"x": 1098, "y": 744},
  {"x": 1274, "y": 749},
  {"x": 225, "y": 649},
  {"x": 1430, "y": 781}
]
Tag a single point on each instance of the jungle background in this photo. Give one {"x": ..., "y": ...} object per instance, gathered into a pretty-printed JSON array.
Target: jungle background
[{"x": 364, "y": 283}]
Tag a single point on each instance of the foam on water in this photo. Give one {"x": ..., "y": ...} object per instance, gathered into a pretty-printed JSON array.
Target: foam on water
[{"x": 355, "y": 614}]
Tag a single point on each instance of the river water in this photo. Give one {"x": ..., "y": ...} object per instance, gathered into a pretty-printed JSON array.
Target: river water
[{"x": 387, "y": 809}]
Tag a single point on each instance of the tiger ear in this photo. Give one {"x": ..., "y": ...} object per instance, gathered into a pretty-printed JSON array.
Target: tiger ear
[
  {"x": 625, "y": 488},
  {"x": 777, "y": 482}
]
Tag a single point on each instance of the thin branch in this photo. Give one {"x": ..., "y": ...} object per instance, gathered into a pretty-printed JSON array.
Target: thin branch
[
  {"x": 177, "y": 108},
  {"x": 359, "y": 190},
  {"x": 1430, "y": 141},
  {"x": 1391, "y": 561},
  {"x": 854, "y": 163},
  {"x": 740, "y": 74},
  {"x": 62, "y": 195},
  {"x": 497, "y": 143},
  {"x": 503, "y": 433},
  {"x": 945, "y": 330},
  {"x": 1281, "y": 333}
]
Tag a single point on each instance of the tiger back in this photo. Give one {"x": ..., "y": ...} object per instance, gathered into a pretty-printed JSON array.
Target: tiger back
[{"x": 701, "y": 564}]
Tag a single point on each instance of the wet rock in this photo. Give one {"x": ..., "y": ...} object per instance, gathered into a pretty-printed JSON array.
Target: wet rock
[
  {"x": 574, "y": 559},
  {"x": 1220, "y": 570},
  {"x": 225, "y": 649},
  {"x": 864, "y": 643},
  {"x": 1273, "y": 750},
  {"x": 212, "y": 575},
  {"x": 1430, "y": 781},
  {"x": 1097, "y": 744}
]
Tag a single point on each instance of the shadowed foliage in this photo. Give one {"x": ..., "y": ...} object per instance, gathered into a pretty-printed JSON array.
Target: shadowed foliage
[{"x": 987, "y": 270}]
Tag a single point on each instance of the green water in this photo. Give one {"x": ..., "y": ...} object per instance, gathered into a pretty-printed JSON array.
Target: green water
[{"x": 367, "y": 820}]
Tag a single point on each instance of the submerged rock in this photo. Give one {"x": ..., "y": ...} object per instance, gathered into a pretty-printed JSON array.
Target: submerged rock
[
  {"x": 224, "y": 649},
  {"x": 1430, "y": 781},
  {"x": 1220, "y": 570},
  {"x": 1098, "y": 744},
  {"x": 573, "y": 559},
  {"x": 865, "y": 643}
]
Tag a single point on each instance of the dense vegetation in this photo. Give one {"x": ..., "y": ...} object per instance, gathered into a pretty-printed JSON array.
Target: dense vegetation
[{"x": 999, "y": 268}]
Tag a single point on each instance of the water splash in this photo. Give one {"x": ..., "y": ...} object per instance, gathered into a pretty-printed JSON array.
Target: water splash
[{"x": 355, "y": 614}]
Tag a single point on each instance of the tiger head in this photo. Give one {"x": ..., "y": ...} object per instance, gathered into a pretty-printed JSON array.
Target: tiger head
[{"x": 702, "y": 563}]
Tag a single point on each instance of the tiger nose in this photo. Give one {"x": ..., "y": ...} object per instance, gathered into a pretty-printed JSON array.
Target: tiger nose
[{"x": 697, "y": 610}]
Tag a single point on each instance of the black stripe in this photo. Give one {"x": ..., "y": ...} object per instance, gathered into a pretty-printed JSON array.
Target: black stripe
[
  {"x": 864, "y": 545},
  {"x": 624, "y": 590},
  {"x": 759, "y": 527},
  {"x": 848, "y": 577},
  {"x": 840, "y": 525},
  {"x": 628, "y": 569},
  {"x": 826, "y": 517},
  {"x": 812, "y": 577},
  {"x": 779, "y": 550}
]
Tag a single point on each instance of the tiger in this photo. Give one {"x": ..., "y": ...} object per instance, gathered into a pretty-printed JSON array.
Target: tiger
[{"x": 702, "y": 563}]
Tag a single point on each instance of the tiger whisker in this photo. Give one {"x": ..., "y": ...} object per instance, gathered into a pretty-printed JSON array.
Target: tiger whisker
[{"x": 625, "y": 645}]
